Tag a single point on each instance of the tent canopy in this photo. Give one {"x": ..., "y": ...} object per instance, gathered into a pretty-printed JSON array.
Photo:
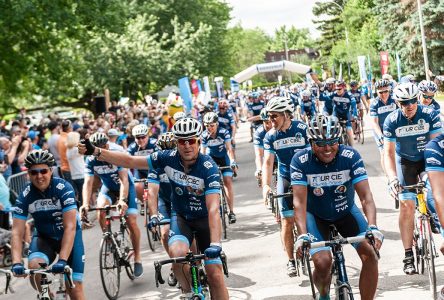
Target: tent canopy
[{"x": 270, "y": 67}]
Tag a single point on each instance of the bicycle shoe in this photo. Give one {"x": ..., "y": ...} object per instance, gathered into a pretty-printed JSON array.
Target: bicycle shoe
[
  {"x": 433, "y": 226},
  {"x": 138, "y": 270},
  {"x": 172, "y": 280},
  {"x": 291, "y": 268},
  {"x": 409, "y": 265},
  {"x": 231, "y": 218}
]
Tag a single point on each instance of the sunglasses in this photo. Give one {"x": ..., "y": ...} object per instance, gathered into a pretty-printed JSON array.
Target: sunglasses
[
  {"x": 140, "y": 137},
  {"x": 274, "y": 117},
  {"x": 189, "y": 141},
  {"x": 323, "y": 143},
  {"x": 383, "y": 92},
  {"x": 427, "y": 97},
  {"x": 210, "y": 125},
  {"x": 408, "y": 102},
  {"x": 35, "y": 172}
]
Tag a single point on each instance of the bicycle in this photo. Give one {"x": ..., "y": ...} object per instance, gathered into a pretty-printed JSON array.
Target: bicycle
[
  {"x": 45, "y": 283},
  {"x": 342, "y": 287},
  {"x": 153, "y": 237},
  {"x": 116, "y": 251},
  {"x": 8, "y": 275},
  {"x": 223, "y": 202},
  {"x": 425, "y": 251},
  {"x": 344, "y": 136},
  {"x": 358, "y": 129},
  {"x": 272, "y": 198},
  {"x": 199, "y": 283}
]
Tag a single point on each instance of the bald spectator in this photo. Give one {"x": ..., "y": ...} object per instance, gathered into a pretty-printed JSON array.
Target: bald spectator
[
  {"x": 113, "y": 135},
  {"x": 61, "y": 147}
]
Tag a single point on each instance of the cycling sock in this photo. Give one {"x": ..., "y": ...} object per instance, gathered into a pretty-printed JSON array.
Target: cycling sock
[
  {"x": 326, "y": 297},
  {"x": 408, "y": 252}
]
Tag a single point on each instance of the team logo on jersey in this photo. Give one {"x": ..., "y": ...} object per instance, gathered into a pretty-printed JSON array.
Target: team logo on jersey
[
  {"x": 318, "y": 191},
  {"x": 296, "y": 176},
  {"x": 303, "y": 158},
  {"x": 290, "y": 142},
  {"x": 44, "y": 205},
  {"x": 433, "y": 161},
  {"x": 386, "y": 108},
  {"x": 143, "y": 152},
  {"x": 154, "y": 156},
  {"x": 437, "y": 125},
  {"x": 359, "y": 171},
  {"x": 340, "y": 189},
  {"x": 215, "y": 142},
  {"x": 26, "y": 191},
  {"x": 179, "y": 191},
  {"x": 60, "y": 186},
  {"x": 387, "y": 133},
  {"x": 184, "y": 179},
  {"x": 421, "y": 128},
  {"x": 164, "y": 178},
  {"x": 214, "y": 184},
  {"x": 328, "y": 179},
  {"x": 69, "y": 201},
  {"x": 208, "y": 165},
  {"x": 17, "y": 210}
]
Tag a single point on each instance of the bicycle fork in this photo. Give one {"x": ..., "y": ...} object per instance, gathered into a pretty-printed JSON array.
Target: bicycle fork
[{"x": 341, "y": 276}]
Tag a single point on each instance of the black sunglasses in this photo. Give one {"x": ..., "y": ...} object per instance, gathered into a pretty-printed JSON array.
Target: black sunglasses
[
  {"x": 408, "y": 102},
  {"x": 323, "y": 143},
  {"x": 35, "y": 172},
  {"x": 140, "y": 137}
]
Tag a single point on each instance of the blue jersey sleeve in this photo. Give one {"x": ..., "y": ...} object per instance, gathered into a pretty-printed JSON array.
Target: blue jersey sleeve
[
  {"x": 434, "y": 155},
  {"x": 227, "y": 136},
  {"x": 257, "y": 139},
  {"x": 67, "y": 196},
  {"x": 436, "y": 122},
  {"x": 297, "y": 174},
  {"x": 21, "y": 206},
  {"x": 211, "y": 178},
  {"x": 358, "y": 172},
  {"x": 153, "y": 177},
  {"x": 374, "y": 108},
  {"x": 389, "y": 128},
  {"x": 268, "y": 143},
  {"x": 89, "y": 168},
  {"x": 158, "y": 159}
]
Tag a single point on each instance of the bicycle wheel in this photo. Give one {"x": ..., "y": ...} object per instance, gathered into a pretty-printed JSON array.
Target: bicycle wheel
[
  {"x": 361, "y": 128},
  {"x": 419, "y": 247},
  {"x": 223, "y": 212},
  {"x": 309, "y": 273},
  {"x": 127, "y": 249},
  {"x": 429, "y": 258},
  {"x": 109, "y": 268},
  {"x": 344, "y": 294}
]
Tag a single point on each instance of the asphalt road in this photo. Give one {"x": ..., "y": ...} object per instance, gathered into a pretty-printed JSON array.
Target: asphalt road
[{"x": 257, "y": 263}]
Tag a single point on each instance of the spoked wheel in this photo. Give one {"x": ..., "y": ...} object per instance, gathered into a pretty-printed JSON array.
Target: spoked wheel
[
  {"x": 128, "y": 251},
  {"x": 109, "y": 268},
  {"x": 152, "y": 240},
  {"x": 429, "y": 258},
  {"x": 277, "y": 213},
  {"x": 223, "y": 212},
  {"x": 307, "y": 267}
]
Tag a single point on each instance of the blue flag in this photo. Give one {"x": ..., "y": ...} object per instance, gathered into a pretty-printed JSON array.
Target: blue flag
[{"x": 185, "y": 93}]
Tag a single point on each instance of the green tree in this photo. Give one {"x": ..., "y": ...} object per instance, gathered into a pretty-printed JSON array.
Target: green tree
[{"x": 296, "y": 38}]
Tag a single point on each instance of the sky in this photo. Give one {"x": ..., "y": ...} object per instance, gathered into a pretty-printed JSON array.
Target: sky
[{"x": 271, "y": 14}]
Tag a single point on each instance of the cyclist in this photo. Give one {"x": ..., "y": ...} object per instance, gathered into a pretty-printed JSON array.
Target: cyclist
[
  {"x": 380, "y": 108},
  {"x": 282, "y": 142},
  {"x": 324, "y": 179},
  {"x": 117, "y": 188},
  {"x": 142, "y": 146},
  {"x": 51, "y": 203},
  {"x": 217, "y": 141},
  {"x": 361, "y": 103},
  {"x": 344, "y": 107},
  {"x": 406, "y": 132},
  {"x": 427, "y": 91},
  {"x": 254, "y": 106},
  {"x": 258, "y": 143},
  {"x": 227, "y": 120},
  {"x": 195, "y": 201},
  {"x": 327, "y": 91},
  {"x": 307, "y": 106}
]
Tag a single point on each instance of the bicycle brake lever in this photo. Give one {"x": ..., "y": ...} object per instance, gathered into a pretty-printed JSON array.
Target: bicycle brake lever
[{"x": 371, "y": 238}]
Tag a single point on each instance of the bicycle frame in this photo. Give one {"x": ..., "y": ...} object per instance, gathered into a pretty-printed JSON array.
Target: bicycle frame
[{"x": 45, "y": 283}]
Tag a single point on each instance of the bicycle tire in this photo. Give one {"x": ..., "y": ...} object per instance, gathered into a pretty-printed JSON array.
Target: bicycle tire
[
  {"x": 344, "y": 294},
  {"x": 223, "y": 212},
  {"x": 149, "y": 234},
  {"x": 310, "y": 274},
  {"x": 361, "y": 125},
  {"x": 128, "y": 251},
  {"x": 430, "y": 259},
  {"x": 107, "y": 256},
  {"x": 277, "y": 213}
]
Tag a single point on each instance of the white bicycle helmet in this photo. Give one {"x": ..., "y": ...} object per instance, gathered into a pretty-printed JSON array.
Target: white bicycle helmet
[
  {"x": 427, "y": 87},
  {"x": 179, "y": 115},
  {"x": 330, "y": 80},
  {"x": 280, "y": 104},
  {"x": 187, "y": 128},
  {"x": 323, "y": 127},
  {"x": 306, "y": 93},
  {"x": 405, "y": 91},
  {"x": 210, "y": 117},
  {"x": 139, "y": 130}
]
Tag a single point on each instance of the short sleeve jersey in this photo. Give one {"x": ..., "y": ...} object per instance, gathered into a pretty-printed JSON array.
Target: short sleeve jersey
[
  {"x": 380, "y": 110},
  {"x": 357, "y": 95},
  {"x": 435, "y": 105},
  {"x": 294, "y": 98},
  {"x": 328, "y": 103},
  {"x": 47, "y": 208},
  {"x": 160, "y": 178},
  {"x": 135, "y": 150},
  {"x": 255, "y": 107},
  {"x": 434, "y": 154},
  {"x": 189, "y": 189},
  {"x": 308, "y": 107},
  {"x": 216, "y": 145},
  {"x": 342, "y": 105},
  {"x": 108, "y": 173},
  {"x": 226, "y": 120},
  {"x": 286, "y": 144},
  {"x": 411, "y": 136},
  {"x": 258, "y": 138},
  {"x": 330, "y": 187}
]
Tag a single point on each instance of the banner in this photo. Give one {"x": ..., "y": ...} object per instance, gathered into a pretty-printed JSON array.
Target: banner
[
  {"x": 207, "y": 90},
  {"x": 219, "y": 87},
  {"x": 185, "y": 93},
  {"x": 362, "y": 69},
  {"x": 199, "y": 85},
  {"x": 340, "y": 71},
  {"x": 398, "y": 66},
  {"x": 234, "y": 86},
  {"x": 194, "y": 87},
  {"x": 384, "y": 62},
  {"x": 369, "y": 77}
]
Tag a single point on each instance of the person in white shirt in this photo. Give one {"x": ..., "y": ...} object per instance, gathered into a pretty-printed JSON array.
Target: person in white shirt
[
  {"x": 76, "y": 164},
  {"x": 113, "y": 135}
]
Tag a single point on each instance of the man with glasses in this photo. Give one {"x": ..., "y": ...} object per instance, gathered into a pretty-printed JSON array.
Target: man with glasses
[
  {"x": 427, "y": 91},
  {"x": 142, "y": 146},
  {"x": 380, "y": 108},
  {"x": 254, "y": 105},
  {"x": 117, "y": 188},
  {"x": 51, "y": 203},
  {"x": 324, "y": 180},
  {"x": 327, "y": 91},
  {"x": 227, "y": 120},
  {"x": 282, "y": 142},
  {"x": 258, "y": 143},
  {"x": 344, "y": 107},
  {"x": 217, "y": 141},
  {"x": 407, "y": 130},
  {"x": 194, "y": 179}
]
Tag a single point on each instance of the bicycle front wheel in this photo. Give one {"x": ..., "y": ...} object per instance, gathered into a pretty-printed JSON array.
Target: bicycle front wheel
[
  {"x": 223, "y": 212},
  {"x": 149, "y": 234},
  {"x": 361, "y": 128},
  {"x": 128, "y": 253},
  {"x": 109, "y": 268},
  {"x": 429, "y": 257},
  {"x": 344, "y": 294}
]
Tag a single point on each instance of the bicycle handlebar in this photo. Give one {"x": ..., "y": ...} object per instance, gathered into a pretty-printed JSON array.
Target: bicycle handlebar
[
  {"x": 225, "y": 168},
  {"x": 67, "y": 272},
  {"x": 105, "y": 208},
  {"x": 419, "y": 185},
  {"x": 143, "y": 180}
]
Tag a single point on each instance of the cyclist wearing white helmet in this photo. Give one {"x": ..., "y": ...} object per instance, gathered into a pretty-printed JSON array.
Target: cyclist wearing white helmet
[
  {"x": 406, "y": 133},
  {"x": 427, "y": 91},
  {"x": 194, "y": 179},
  {"x": 327, "y": 90},
  {"x": 258, "y": 143},
  {"x": 282, "y": 142},
  {"x": 307, "y": 106}
]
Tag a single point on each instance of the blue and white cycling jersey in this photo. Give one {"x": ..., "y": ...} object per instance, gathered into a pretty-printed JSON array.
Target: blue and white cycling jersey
[
  {"x": 255, "y": 107},
  {"x": 135, "y": 150},
  {"x": 286, "y": 144},
  {"x": 216, "y": 146},
  {"x": 411, "y": 136},
  {"x": 294, "y": 98},
  {"x": 330, "y": 187},
  {"x": 343, "y": 104},
  {"x": 189, "y": 189},
  {"x": 226, "y": 120},
  {"x": 380, "y": 110},
  {"x": 434, "y": 154},
  {"x": 325, "y": 97},
  {"x": 435, "y": 105},
  {"x": 357, "y": 95},
  {"x": 108, "y": 173},
  {"x": 160, "y": 178},
  {"x": 47, "y": 207},
  {"x": 258, "y": 137},
  {"x": 308, "y": 107}
]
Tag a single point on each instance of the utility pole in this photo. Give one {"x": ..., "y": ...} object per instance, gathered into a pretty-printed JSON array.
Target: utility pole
[{"x": 424, "y": 46}]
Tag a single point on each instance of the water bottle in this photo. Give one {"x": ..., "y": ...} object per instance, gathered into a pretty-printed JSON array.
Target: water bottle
[{"x": 441, "y": 294}]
